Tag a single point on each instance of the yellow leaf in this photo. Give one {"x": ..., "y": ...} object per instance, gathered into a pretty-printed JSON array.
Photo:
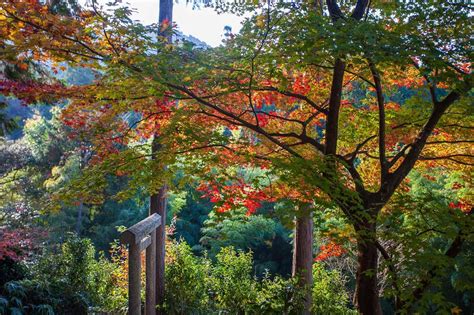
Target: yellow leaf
[{"x": 260, "y": 21}]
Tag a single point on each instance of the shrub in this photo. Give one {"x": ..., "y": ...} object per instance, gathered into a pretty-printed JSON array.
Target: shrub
[
  {"x": 69, "y": 282},
  {"x": 73, "y": 281},
  {"x": 329, "y": 292},
  {"x": 232, "y": 285},
  {"x": 11, "y": 270},
  {"x": 25, "y": 297},
  {"x": 194, "y": 285},
  {"x": 279, "y": 296},
  {"x": 75, "y": 276},
  {"x": 186, "y": 281}
]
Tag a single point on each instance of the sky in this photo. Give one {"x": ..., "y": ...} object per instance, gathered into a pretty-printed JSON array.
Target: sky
[{"x": 204, "y": 23}]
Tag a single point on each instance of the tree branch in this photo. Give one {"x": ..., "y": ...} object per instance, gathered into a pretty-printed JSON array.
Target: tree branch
[
  {"x": 243, "y": 122},
  {"x": 381, "y": 135},
  {"x": 394, "y": 179},
  {"x": 295, "y": 95},
  {"x": 334, "y": 107}
]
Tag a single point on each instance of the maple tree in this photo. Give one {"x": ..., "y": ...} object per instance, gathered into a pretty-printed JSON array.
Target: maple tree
[{"x": 309, "y": 92}]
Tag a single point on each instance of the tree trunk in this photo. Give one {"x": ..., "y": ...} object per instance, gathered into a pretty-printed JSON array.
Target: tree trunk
[
  {"x": 158, "y": 201},
  {"x": 303, "y": 256},
  {"x": 166, "y": 12},
  {"x": 366, "y": 296},
  {"x": 158, "y": 205}
]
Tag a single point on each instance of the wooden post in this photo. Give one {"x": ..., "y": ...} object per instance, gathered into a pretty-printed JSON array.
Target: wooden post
[
  {"x": 134, "y": 281},
  {"x": 139, "y": 237},
  {"x": 160, "y": 248},
  {"x": 150, "y": 305}
]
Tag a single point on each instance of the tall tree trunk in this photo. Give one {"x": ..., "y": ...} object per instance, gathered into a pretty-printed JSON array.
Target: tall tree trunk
[
  {"x": 366, "y": 296},
  {"x": 166, "y": 12},
  {"x": 303, "y": 256},
  {"x": 158, "y": 205},
  {"x": 158, "y": 201}
]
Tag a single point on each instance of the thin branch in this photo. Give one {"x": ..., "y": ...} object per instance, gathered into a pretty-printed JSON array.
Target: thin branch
[
  {"x": 381, "y": 106},
  {"x": 353, "y": 155},
  {"x": 445, "y": 156},
  {"x": 243, "y": 122},
  {"x": 295, "y": 95},
  {"x": 400, "y": 154},
  {"x": 394, "y": 179},
  {"x": 449, "y": 141},
  {"x": 391, "y": 267}
]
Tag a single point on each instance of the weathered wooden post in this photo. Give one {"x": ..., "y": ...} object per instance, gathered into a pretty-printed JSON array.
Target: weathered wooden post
[
  {"x": 139, "y": 237},
  {"x": 150, "y": 305}
]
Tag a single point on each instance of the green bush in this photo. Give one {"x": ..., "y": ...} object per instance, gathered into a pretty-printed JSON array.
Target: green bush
[
  {"x": 11, "y": 270},
  {"x": 25, "y": 297},
  {"x": 232, "y": 285},
  {"x": 73, "y": 281},
  {"x": 279, "y": 296},
  {"x": 194, "y": 285},
  {"x": 186, "y": 281},
  {"x": 76, "y": 276},
  {"x": 69, "y": 282},
  {"x": 329, "y": 292}
]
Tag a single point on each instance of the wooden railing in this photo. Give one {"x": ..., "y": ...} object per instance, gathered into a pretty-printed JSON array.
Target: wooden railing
[{"x": 139, "y": 237}]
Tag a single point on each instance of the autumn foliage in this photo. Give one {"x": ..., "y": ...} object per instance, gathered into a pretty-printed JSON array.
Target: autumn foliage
[{"x": 335, "y": 107}]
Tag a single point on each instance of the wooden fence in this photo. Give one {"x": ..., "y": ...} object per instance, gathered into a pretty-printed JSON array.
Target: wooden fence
[{"x": 139, "y": 237}]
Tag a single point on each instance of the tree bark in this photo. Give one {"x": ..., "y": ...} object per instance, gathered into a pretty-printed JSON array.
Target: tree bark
[
  {"x": 150, "y": 296},
  {"x": 303, "y": 256},
  {"x": 134, "y": 280},
  {"x": 332, "y": 123},
  {"x": 158, "y": 205},
  {"x": 366, "y": 296},
  {"x": 166, "y": 12},
  {"x": 158, "y": 201}
]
